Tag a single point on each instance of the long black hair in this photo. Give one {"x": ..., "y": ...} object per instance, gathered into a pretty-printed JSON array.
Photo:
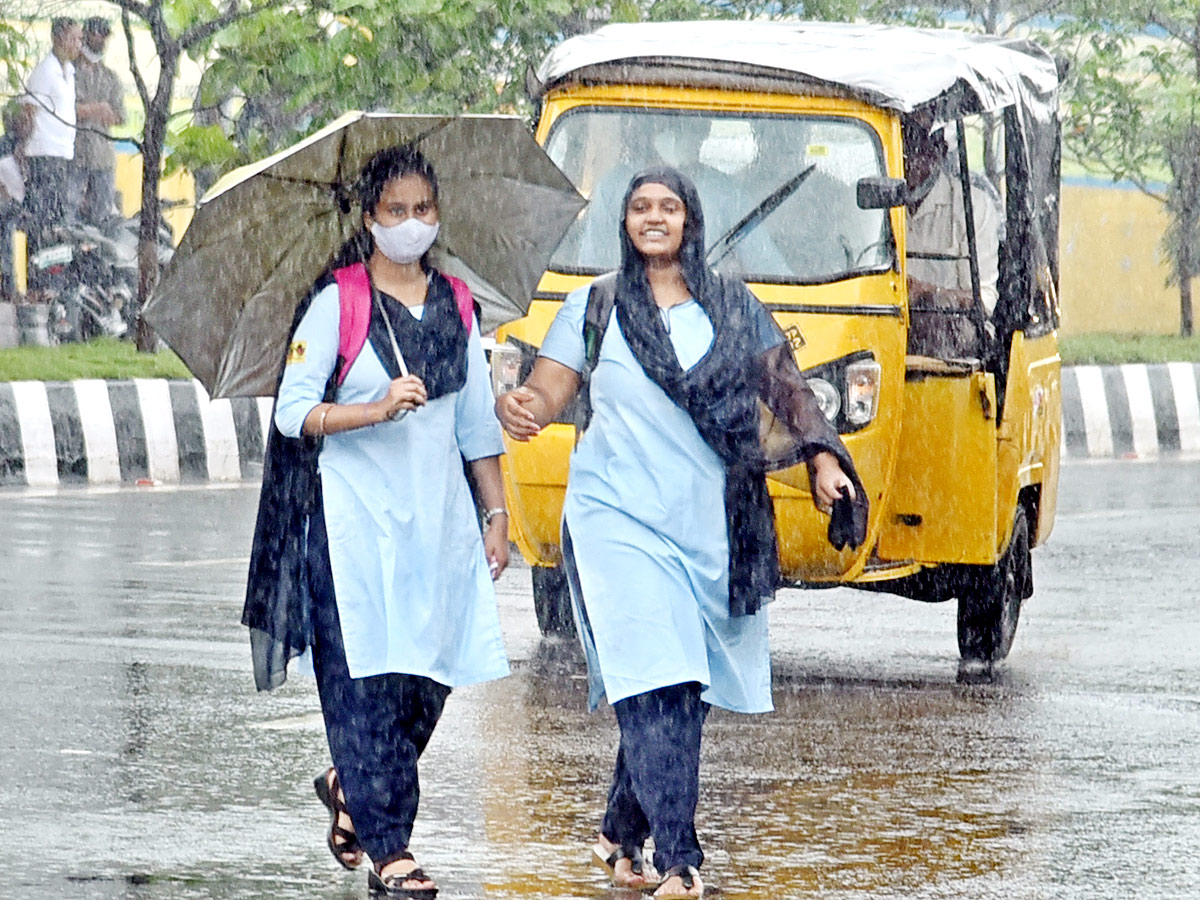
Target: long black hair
[
  {"x": 388, "y": 165},
  {"x": 632, "y": 273},
  {"x": 385, "y": 166}
]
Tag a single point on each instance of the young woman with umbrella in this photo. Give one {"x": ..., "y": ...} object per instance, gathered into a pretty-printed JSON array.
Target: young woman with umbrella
[
  {"x": 668, "y": 529},
  {"x": 365, "y": 481}
]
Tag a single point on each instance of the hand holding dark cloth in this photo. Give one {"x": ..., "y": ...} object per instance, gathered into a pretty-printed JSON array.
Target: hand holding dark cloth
[
  {"x": 848, "y": 521},
  {"x": 785, "y": 392}
]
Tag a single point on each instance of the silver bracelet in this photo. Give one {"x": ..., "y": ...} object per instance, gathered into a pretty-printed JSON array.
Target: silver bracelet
[
  {"x": 492, "y": 513},
  {"x": 321, "y": 421}
]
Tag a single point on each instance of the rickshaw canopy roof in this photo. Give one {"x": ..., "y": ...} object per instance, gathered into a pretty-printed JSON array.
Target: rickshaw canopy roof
[{"x": 888, "y": 66}]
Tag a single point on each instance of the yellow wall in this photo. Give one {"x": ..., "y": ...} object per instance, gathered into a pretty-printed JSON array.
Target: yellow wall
[
  {"x": 1113, "y": 278},
  {"x": 178, "y": 187}
]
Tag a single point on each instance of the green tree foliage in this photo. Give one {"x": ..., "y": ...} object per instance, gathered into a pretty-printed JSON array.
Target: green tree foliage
[
  {"x": 1133, "y": 112},
  {"x": 178, "y": 28},
  {"x": 15, "y": 54},
  {"x": 270, "y": 80}
]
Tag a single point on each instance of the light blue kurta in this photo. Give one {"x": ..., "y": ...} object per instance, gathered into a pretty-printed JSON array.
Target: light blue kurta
[
  {"x": 414, "y": 594},
  {"x": 645, "y": 508}
]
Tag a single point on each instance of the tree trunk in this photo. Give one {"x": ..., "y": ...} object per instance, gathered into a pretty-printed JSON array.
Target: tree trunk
[
  {"x": 1185, "y": 306},
  {"x": 153, "y": 137}
]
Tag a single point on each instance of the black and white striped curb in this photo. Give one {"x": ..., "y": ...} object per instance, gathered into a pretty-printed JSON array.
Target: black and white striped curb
[
  {"x": 165, "y": 431},
  {"x": 1131, "y": 411},
  {"x": 144, "y": 430}
]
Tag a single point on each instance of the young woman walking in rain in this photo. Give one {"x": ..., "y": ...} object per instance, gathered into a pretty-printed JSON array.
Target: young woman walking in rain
[
  {"x": 668, "y": 530},
  {"x": 369, "y": 486}
]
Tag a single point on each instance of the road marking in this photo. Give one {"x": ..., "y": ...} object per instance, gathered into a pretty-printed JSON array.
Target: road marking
[
  {"x": 99, "y": 431},
  {"x": 1141, "y": 408},
  {"x": 1187, "y": 406},
  {"x": 37, "y": 433},
  {"x": 192, "y": 563},
  {"x": 1095, "y": 410},
  {"x": 265, "y": 407},
  {"x": 220, "y": 437},
  {"x": 162, "y": 448},
  {"x": 308, "y": 722}
]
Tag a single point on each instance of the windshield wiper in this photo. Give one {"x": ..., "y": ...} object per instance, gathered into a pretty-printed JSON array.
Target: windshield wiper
[{"x": 730, "y": 239}]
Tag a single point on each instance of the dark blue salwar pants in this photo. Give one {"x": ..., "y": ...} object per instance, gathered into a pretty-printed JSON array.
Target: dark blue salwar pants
[
  {"x": 377, "y": 726},
  {"x": 656, "y": 783}
]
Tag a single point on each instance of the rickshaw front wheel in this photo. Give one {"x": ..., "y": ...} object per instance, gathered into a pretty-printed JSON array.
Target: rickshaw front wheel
[
  {"x": 552, "y": 600},
  {"x": 989, "y": 603}
]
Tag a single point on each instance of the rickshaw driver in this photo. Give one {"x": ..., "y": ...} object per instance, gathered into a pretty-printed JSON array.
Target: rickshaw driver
[{"x": 939, "y": 273}]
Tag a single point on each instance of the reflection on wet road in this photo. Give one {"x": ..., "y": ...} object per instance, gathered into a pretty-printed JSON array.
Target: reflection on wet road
[{"x": 138, "y": 762}]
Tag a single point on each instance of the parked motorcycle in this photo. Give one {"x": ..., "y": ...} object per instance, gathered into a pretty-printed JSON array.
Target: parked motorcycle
[{"x": 89, "y": 277}]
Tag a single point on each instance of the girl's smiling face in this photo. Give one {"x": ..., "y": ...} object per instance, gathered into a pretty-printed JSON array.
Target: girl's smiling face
[{"x": 654, "y": 220}]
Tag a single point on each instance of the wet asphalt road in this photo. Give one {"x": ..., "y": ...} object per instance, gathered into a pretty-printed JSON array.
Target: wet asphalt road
[{"x": 137, "y": 761}]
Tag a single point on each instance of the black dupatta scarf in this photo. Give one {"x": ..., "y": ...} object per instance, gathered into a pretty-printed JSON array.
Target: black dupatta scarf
[
  {"x": 721, "y": 392},
  {"x": 434, "y": 346}
]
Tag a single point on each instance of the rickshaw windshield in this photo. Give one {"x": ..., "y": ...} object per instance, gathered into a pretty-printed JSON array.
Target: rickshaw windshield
[{"x": 810, "y": 232}]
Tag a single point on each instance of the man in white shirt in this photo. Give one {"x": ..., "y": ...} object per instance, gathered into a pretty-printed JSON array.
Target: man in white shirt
[
  {"x": 48, "y": 106},
  {"x": 939, "y": 269}
]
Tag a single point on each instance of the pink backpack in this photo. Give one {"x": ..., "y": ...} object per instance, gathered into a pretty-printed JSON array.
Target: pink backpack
[{"x": 354, "y": 295}]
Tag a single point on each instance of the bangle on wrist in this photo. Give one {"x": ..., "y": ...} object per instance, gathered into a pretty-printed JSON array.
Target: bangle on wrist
[
  {"x": 321, "y": 421},
  {"x": 492, "y": 513}
]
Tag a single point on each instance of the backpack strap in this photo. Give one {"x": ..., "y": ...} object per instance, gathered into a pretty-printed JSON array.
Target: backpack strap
[
  {"x": 464, "y": 300},
  {"x": 354, "y": 301},
  {"x": 602, "y": 296}
]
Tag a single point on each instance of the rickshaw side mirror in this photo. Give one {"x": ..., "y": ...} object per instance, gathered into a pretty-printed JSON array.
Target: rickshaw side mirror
[{"x": 881, "y": 192}]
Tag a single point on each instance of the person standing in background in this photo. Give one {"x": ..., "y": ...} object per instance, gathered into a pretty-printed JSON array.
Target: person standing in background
[
  {"x": 99, "y": 105},
  {"x": 48, "y": 108},
  {"x": 12, "y": 195}
]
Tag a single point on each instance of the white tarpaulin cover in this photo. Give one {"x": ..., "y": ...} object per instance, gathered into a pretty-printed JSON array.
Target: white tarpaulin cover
[{"x": 890, "y": 66}]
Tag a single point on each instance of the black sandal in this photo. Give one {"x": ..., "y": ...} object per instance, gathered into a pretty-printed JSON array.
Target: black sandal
[
  {"x": 328, "y": 794},
  {"x": 687, "y": 877},
  {"x": 633, "y": 854},
  {"x": 392, "y": 885}
]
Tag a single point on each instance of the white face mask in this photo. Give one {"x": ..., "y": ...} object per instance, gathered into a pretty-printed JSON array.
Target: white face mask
[{"x": 407, "y": 242}]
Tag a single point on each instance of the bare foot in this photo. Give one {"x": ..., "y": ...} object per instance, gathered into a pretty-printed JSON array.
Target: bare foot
[
  {"x": 623, "y": 875},
  {"x": 673, "y": 887},
  {"x": 397, "y": 869}
]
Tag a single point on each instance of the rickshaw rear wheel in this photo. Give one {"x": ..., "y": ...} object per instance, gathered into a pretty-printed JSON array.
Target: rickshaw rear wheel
[
  {"x": 989, "y": 603},
  {"x": 552, "y": 600}
]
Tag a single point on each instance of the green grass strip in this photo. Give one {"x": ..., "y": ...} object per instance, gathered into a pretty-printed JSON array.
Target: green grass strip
[
  {"x": 1113, "y": 349},
  {"x": 100, "y": 358}
]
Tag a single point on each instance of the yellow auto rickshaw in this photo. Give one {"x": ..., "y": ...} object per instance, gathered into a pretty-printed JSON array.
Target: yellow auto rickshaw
[{"x": 795, "y": 135}]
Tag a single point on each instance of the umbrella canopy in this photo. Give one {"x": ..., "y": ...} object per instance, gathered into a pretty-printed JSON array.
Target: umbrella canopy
[{"x": 265, "y": 232}]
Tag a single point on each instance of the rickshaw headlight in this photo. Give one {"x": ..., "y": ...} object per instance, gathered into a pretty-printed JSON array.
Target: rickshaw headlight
[
  {"x": 506, "y": 368},
  {"x": 829, "y": 398},
  {"x": 847, "y": 390},
  {"x": 862, "y": 391}
]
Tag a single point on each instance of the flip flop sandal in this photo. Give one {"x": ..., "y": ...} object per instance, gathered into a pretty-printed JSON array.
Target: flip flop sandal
[
  {"x": 687, "y": 877},
  {"x": 609, "y": 861},
  {"x": 392, "y": 885},
  {"x": 340, "y": 841}
]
